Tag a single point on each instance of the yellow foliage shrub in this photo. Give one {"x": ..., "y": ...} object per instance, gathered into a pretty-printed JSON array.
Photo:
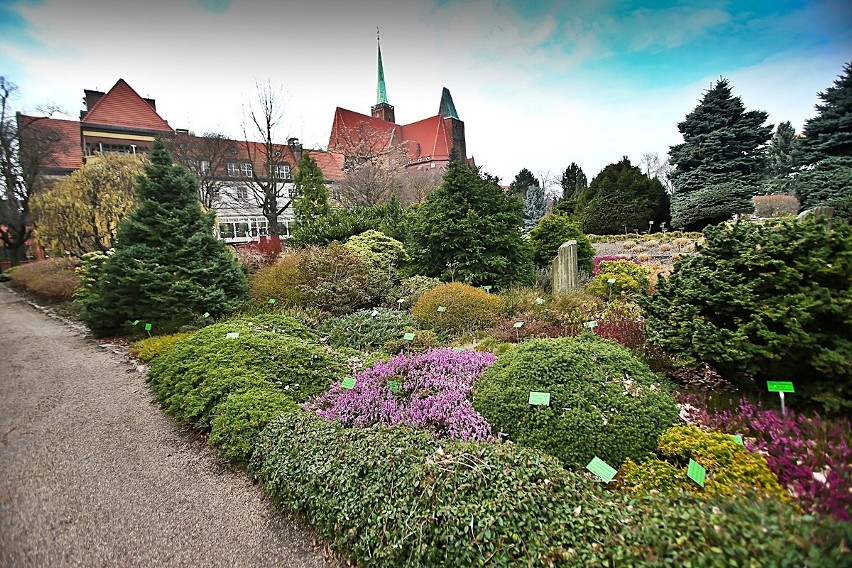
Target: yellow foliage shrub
[
  {"x": 279, "y": 282},
  {"x": 467, "y": 308},
  {"x": 53, "y": 279},
  {"x": 147, "y": 349}
]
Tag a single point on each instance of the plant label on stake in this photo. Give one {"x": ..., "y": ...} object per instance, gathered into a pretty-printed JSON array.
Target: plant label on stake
[
  {"x": 408, "y": 336},
  {"x": 148, "y": 327},
  {"x": 394, "y": 386},
  {"x": 232, "y": 335},
  {"x": 272, "y": 301},
  {"x": 780, "y": 387},
  {"x": 610, "y": 281},
  {"x": 738, "y": 439},
  {"x": 442, "y": 309},
  {"x": 135, "y": 322},
  {"x": 591, "y": 325},
  {"x": 375, "y": 313},
  {"x": 539, "y": 398},
  {"x": 601, "y": 469},
  {"x": 487, "y": 288},
  {"x": 696, "y": 472},
  {"x": 205, "y": 315},
  {"x": 347, "y": 382},
  {"x": 518, "y": 324},
  {"x": 539, "y": 301}
]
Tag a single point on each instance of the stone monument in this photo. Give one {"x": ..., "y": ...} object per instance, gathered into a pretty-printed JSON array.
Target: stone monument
[{"x": 565, "y": 268}]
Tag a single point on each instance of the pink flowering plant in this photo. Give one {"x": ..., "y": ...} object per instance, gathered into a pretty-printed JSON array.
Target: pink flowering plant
[
  {"x": 428, "y": 391},
  {"x": 811, "y": 455}
]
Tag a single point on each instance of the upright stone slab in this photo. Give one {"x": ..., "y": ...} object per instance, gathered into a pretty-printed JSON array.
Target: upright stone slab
[{"x": 565, "y": 268}]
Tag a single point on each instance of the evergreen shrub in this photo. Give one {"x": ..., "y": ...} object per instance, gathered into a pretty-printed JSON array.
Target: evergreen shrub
[
  {"x": 367, "y": 329},
  {"x": 238, "y": 421},
  {"x": 424, "y": 340},
  {"x": 603, "y": 400},
  {"x": 630, "y": 278},
  {"x": 577, "y": 307},
  {"x": 337, "y": 280},
  {"x": 730, "y": 468},
  {"x": 381, "y": 251},
  {"x": 410, "y": 289},
  {"x": 147, "y": 349},
  {"x": 396, "y": 497},
  {"x": 765, "y": 302},
  {"x": 468, "y": 308},
  {"x": 280, "y": 281},
  {"x": 53, "y": 279},
  {"x": 199, "y": 372},
  {"x": 554, "y": 230}
]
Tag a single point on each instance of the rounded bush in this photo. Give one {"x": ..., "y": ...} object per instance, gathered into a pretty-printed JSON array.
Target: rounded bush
[
  {"x": 604, "y": 401},
  {"x": 410, "y": 289},
  {"x": 381, "y": 251},
  {"x": 147, "y": 349},
  {"x": 630, "y": 278},
  {"x": 730, "y": 468},
  {"x": 200, "y": 371},
  {"x": 53, "y": 279},
  {"x": 467, "y": 308},
  {"x": 238, "y": 421},
  {"x": 367, "y": 329},
  {"x": 279, "y": 281}
]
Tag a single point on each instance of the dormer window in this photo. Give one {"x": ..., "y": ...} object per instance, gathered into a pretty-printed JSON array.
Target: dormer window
[{"x": 282, "y": 171}]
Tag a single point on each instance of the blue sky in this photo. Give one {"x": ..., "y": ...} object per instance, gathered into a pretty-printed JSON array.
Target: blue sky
[{"x": 538, "y": 84}]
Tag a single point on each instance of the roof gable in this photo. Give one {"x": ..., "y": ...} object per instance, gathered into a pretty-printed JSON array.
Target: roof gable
[
  {"x": 123, "y": 107},
  {"x": 356, "y": 133},
  {"x": 427, "y": 138}
]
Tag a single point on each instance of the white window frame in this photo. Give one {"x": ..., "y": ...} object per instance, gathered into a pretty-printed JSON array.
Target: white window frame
[
  {"x": 233, "y": 169},
  {"x": 246, "y": 169}
]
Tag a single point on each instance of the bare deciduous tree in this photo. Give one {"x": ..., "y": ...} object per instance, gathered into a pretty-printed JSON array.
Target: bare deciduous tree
[
  {"x": 206, "y": 157},
  {"x": 654, "y": 167},
  {"x": 418, "y": 184}
]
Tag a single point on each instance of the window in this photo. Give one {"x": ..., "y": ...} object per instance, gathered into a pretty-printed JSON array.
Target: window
[
  {"x": 242, "y": 193},
  {"x": 205, "y": 168},
  {"x": 282, "y": 171},
  {"x": 233, "y": 169},
  {"x": 246, "y": 169}
]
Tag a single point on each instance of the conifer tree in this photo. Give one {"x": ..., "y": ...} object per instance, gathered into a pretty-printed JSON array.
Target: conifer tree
[
  {"x": 470, "y": 230},
  {"x": 826, "y": 178},
  {"x": 534, "y": 207},
  {"x": 167, "y": 268},
  {"x": 311, "y": 201},
  {"x": 573, "y": 182},
  {"x": 720, "y": 165},
  {"x": 782, "y": 158},
  {"x": 525, "y": 179}
]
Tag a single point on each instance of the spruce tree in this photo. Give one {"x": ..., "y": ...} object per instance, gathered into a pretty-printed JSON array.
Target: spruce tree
[
  {"x": 782, "y": 156},
  {"x": 470, "y": 230},
  {"x": 534, "y": 206},
  {"x": 624, "y": 199},
  {"x": 167, "y": 268},
  {"x": 573, "y": 182},
  {"x": 311, "y": 201},
  {"x": 720, "y": 165},
  {"x": 826, "y": 176},
  {"x": 525, "y": 179}
]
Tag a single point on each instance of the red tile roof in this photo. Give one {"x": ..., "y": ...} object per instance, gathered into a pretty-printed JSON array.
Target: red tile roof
[
  {"x": 427, "y": 138},
  {"x": 61, "y": 137},
  {"x": 331, "y": 164},
  {"x": 123, "y": 107},
  {"x": 353, "y": 132}
]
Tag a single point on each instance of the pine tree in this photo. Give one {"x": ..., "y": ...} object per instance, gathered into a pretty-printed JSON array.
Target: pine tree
[
  {"x": 470, "y": 230},
  {"x": 720, "y": 165},
  {"x": 573, "y": 182},
  {"x": 522, "y": 181},
  {"x": 826, "y": 178},
  {"x": 311, "y": 201},
  {"x": 624, "y": 199},
  {"x": 534, "y": 207},
  {"x": 167, "y": 267},
  {"x": 782, "y": 157}
]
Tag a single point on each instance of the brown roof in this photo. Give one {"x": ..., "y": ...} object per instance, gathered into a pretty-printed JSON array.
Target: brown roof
[
  {"x": 123, "y": 107},
  {"x": 331, "y": 164},
  {"x": 60, "y": 140}
]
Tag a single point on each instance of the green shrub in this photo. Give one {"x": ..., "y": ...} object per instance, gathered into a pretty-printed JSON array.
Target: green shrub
[
  {"x": 765, "y": 302},
  {"x": 730, "y": 468},
  {"x": 468, "y": 308},
  {"x": 576, "y": 308},
  {"x": 554, "y": 230},
  {"x": 367, "y": 329},
  {"x": 630, "y": 278},
  {"x": 341, "y": 224},
  {"x": 525, "y": 299},
  {"x": 410, "y": 290},
  {"x": 603, "y": 401},
  {"x": 662, "y": 237},
  {"x": 279, "y": 281},
  {"x": 396, "y": 497},
  {"x": 199, "y": 372},
  {"x": 53, "y": 279},
  {"x": 239, "y": 420},
  {"x": 337, "y": 280},
  {"x": 424, "y": 340},
  {"x": 147, "y": 349},
  {"x": 381, "y": 251}
]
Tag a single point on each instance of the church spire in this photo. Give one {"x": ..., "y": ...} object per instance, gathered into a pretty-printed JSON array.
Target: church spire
[
  {"x": 381, "y": 90},
  {"x": 382, "y": 109}
]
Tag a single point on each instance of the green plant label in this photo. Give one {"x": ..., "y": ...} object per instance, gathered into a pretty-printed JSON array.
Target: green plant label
[
  {"x": 539, "y": 301},
  {"x": 148, "y": 327},
  {"x": 394, "y": 386},
  {"x": 610, "y": 280},
  {"x": 487, "y": 288},
  {"x": 540, "y": 398},
  {"x": 779, "y": 386},
  {"x": 519, "y": 324},
  {"x": 442, "y": 308},
  {"x": 135, "y": 322},
  {"x": 458, "y": 349},
  {"x": 375, "y": 313},
  {"x": 347, "y": 382},
  {"x": 590, "y": 324},
  {"x": 205, "y": 315},
  {"x": 738, "y": 439},
  {"x": 696, "y": 472},
  {"x": 272, "y": 301},
  {"x": 401, "y": 300},
  {"x": 601, "y": 469},
  {"x": 232, "y": 335},
  {"x": 408, "y": 337}
]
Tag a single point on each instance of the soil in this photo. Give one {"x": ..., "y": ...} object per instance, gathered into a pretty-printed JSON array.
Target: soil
[{"x": 92, "y": 473}]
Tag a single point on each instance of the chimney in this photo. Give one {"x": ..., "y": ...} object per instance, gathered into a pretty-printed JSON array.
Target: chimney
[{"x": 295, "y": 147}]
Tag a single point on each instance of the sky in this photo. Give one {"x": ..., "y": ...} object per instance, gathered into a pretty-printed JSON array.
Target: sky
[{"x": 538, "y": 84}]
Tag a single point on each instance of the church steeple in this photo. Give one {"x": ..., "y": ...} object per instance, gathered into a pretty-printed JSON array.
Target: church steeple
[{"x": 382, "y": 109}]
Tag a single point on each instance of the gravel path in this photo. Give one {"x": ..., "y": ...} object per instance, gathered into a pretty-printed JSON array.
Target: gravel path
[{"x": 93, "y": 474}]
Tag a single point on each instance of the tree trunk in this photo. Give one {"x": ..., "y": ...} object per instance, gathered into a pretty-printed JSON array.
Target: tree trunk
[{"x": 15, "y": 254}]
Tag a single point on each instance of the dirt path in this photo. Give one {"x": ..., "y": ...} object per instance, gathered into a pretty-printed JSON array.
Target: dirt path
[{"x": 93, "y": 474}]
